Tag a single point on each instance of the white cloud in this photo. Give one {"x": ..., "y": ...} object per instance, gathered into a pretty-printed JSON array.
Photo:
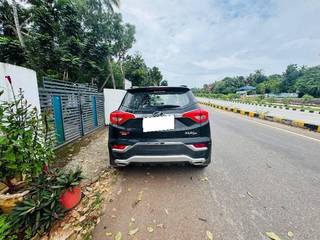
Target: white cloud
[{"x": 197, "y": 42}]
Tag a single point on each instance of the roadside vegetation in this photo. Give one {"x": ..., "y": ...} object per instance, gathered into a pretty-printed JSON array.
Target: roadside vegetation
[
  {"x": 302, "y": 80},
  {"x": 83, "y": 41},
  {"x": 33, "y": 196}
]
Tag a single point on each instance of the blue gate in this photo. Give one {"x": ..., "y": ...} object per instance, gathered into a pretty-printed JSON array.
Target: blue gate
[{"x": 58, "y": 119}]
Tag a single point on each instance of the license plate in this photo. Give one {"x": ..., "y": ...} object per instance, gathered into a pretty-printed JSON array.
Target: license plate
[{"x": 155, "y": 124}]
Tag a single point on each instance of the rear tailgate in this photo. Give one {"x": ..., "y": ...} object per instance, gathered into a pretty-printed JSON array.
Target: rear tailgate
[{"x": 153, "y": 103}]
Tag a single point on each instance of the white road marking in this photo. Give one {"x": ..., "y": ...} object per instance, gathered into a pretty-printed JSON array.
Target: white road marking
[{"x": 281, "y": 129}]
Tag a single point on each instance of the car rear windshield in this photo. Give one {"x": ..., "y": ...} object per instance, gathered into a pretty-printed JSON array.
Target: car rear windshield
[{"x": 157, "y": 100}]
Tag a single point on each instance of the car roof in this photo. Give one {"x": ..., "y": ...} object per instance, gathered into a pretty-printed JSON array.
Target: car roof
[{"x": 158, "y": 88}]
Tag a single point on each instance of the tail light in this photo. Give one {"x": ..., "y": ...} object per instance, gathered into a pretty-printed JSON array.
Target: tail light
[
  {"x": 119, "y": 117},
  {"x": 119, "y": 147},
  {"x": 198, "y": 115},
  {"x": 200, "y": 145}
]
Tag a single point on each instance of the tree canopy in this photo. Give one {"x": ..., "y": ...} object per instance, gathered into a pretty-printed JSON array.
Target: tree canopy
[
  {"x": 302, "y": 80},
  {"x": 73, "y": 40}
]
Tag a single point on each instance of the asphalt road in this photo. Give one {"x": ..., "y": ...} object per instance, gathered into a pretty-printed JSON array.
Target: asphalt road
[
  {"x": 264, "y": 177},
  {"x": 312, "y": 118}
]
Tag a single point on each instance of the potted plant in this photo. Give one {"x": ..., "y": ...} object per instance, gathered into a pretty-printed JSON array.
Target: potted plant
[
  {"x": 71, "y": 190},
  {"x": 40, "y": 208},
  {"x": 24, "y": 148}
]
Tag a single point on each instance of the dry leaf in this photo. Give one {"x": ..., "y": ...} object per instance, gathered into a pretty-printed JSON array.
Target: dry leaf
[
  {"x": 209, "y": 235},
  {"x": 160, "y": 225},
  {"x": 150, "y": 229},
  {"x": 118, "y": 236},
  {"x": 113, "y": 216},
  {"x": 273, "y": 236},
  {"x": 78, "y": 229},
  {"x": 290, "y": 234},
  {"x": 166, "y": 210},
  {"x": 133, "y": 219},
  {"x": 129, "y": 189},
  {"x": 139, "y": 199},
  {"x": 108, "y": 234},
  {"x": 204, "y": 179},
  {"x": 133, "y": 231},
  {"x": 250, "y": 195}
]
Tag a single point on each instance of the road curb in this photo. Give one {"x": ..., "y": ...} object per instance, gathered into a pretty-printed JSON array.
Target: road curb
[{"x": 295, "y": 123}]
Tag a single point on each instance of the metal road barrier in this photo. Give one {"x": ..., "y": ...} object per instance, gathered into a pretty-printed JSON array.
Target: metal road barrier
[{"x": 295, "y": 123}]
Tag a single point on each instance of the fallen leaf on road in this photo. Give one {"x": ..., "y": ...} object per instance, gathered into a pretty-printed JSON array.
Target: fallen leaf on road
[
  {"x": 204, "y": 179},
  {"x": 209, "y": 235},
  {"x": 150, "y": 229},
  {"x": 139, "y": 199},
  {"x": 290, "y": 234},
  {"x": 133, "y": 219},
  {"x": 166, "y": 210},
  {"x": 250, "y": 195},
  {"x": 108, "y": 234},
  {"x": 118, "y": 236},
  {"x": 133, "y": 231},
  {"x": 98, "y": 220},
  {"x": 273, "y": 236},
  {"x": 160, "y": 225},
  {"x": 113, "y": 216},
  {"x": 119, "y": 192},
  {"x": 129, "y": 189},
  {"x": 202, "y": 219}
]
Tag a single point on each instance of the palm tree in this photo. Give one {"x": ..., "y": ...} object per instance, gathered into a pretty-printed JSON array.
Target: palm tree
[
  {"x": 110, "y": 4},
  {"x": 17, "y": 24}
]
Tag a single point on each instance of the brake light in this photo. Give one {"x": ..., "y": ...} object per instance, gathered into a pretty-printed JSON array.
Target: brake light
[
  {"x": 199, "y": 115},
  {"x": 200, "y": 145},
  {"x": 119, "y": 117},
  {"x": 119, "y": 146}
]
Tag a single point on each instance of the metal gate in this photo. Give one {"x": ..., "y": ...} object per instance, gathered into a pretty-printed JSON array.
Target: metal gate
[{"x": 76, "y": 109}]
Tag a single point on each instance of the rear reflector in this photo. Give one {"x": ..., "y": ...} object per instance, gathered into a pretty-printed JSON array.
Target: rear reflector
[
  {"x": 198, "y": 115},
  {"x": 200, "y": 145},
  {"x": 119, "y": 117},
  {"x": 119, "y": 146}
]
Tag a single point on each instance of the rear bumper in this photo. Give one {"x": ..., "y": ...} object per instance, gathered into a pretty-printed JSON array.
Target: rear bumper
[
  {"x": 160, "y": 159},
  {"x": 161, "y": 152}
]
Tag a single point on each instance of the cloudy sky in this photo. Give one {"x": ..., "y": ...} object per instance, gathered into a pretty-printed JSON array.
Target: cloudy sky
[{"x": 199, "y": 41}]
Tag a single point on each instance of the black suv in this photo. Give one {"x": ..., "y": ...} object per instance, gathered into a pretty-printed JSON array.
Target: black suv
[{"x": 159, "y": 125}]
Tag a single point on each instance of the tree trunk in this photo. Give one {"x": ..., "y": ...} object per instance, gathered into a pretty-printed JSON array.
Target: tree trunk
[
  {"x": 123, "y": 75},
  {"x": 111, "y": 72},
  {"x": 17, "y": 24},
  {"x": 105, "y": 82}
]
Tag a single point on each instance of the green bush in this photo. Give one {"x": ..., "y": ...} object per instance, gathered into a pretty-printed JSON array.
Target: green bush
[
  {"x": 5, "y": 229},
  {"x": 24, "y": 143},
  {"x": 306, "y": 98},
  {"x": 42, "y": 207}
]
